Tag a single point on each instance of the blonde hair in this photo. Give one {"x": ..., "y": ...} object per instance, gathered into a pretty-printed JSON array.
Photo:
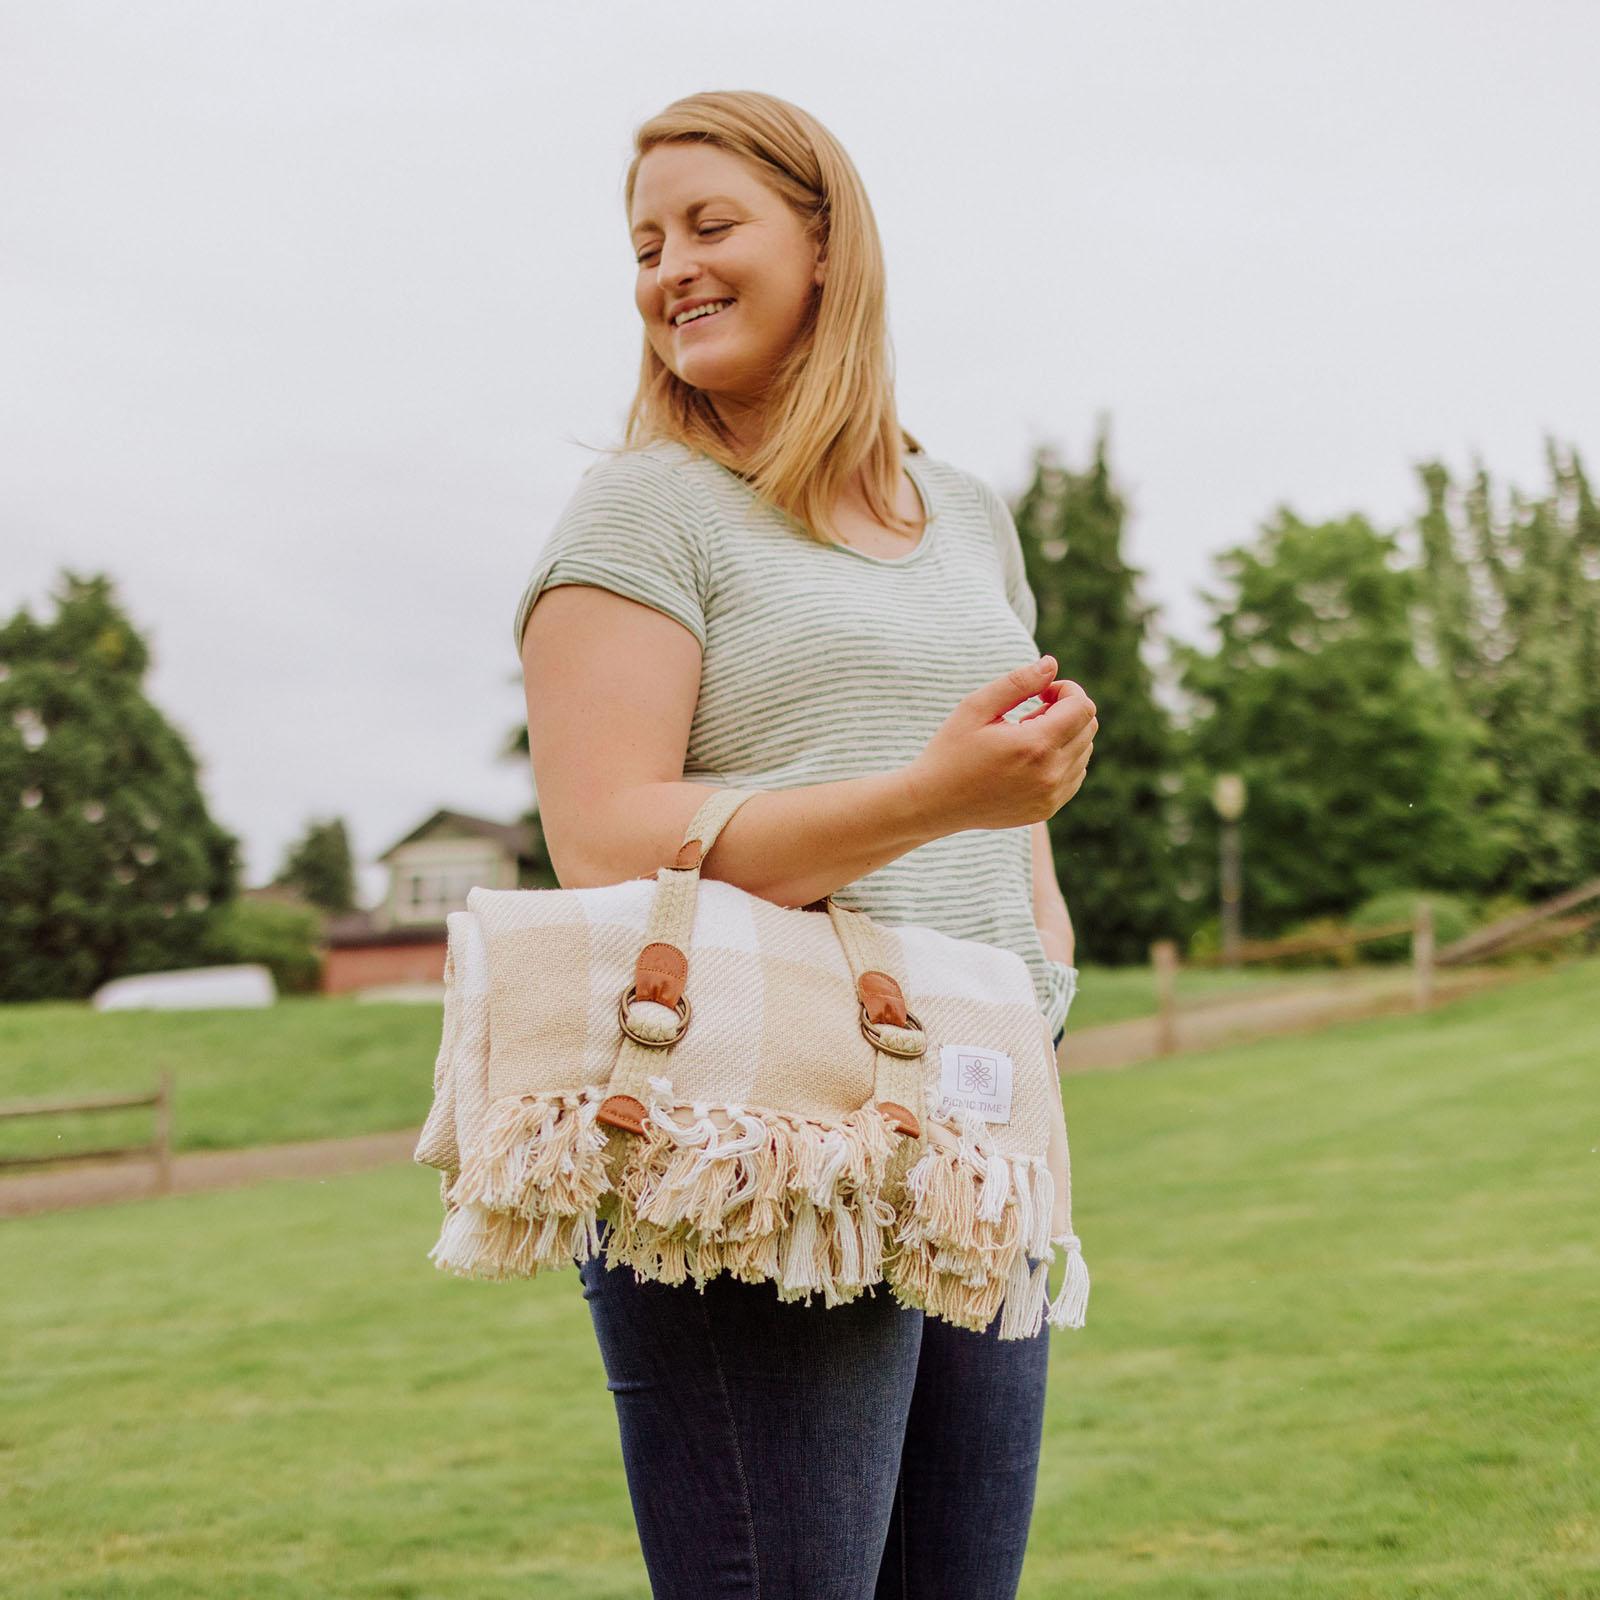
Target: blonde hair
[{"x": 830, "y": 406}]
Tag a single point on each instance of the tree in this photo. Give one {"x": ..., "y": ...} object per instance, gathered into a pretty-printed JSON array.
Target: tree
[
  {"x": 1586, "y": 660},
  {"x": 1510, "y": 610},
  {"x": 1362, "y": 773},
  {"x": 109, "y": 860},
  {"x": 1112, "y": 841},
  {"x": 319, "y": 866}
]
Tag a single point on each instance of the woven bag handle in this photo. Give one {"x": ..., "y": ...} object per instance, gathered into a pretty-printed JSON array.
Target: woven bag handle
[{"x": 663, "y": 967}]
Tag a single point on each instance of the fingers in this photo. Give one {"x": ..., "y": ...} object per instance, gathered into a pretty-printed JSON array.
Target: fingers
[
  {"x": 1068, "y": 710},
  {"x": 1081, "y": 745},
  {"x": 1048, "y": 694},
  {"x": 1010, "y": 689}
]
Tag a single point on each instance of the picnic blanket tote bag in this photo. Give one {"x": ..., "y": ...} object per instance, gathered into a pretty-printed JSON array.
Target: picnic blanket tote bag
[{"x": 819, "y": 1101}]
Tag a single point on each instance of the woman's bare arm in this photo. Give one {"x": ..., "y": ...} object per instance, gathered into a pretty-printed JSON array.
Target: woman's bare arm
[
  {"x": 1050, "y": 913},
  {"x": 611, "y": 689}
]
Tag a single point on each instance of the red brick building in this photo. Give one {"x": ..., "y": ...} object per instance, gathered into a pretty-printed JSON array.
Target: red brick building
[{"x": 402, "y": 940}]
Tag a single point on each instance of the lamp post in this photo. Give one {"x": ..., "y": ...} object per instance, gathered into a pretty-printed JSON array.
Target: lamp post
[{"x": 1228, "y": 796}]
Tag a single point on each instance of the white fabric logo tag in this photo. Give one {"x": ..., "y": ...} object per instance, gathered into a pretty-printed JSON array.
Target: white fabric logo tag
[{"x": 976, "y": 1079}]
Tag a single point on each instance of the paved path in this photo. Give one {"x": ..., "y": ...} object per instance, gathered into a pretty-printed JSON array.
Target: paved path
[
  {"x": 1229, "y": 1019},
  {"x": 1201, "y": 1025},
  {"x": 90, "y": 1183}
]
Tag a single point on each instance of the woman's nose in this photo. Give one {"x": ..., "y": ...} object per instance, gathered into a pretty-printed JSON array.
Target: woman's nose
[{"x": 676, "y": 267}]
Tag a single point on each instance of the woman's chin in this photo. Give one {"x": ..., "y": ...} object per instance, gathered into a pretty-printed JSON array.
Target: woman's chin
[{"x": 708, "y": 375}]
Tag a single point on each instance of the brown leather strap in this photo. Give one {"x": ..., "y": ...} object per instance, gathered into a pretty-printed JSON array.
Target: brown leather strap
[
  {"x": 660, "y": 973},
  {"x": 900, "y": 1119},
  {"x": 883, "y": 998},
  {"x": 621, "y": 1111}
]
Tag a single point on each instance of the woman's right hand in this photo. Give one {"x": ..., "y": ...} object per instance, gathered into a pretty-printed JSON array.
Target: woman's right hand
[{"x": 980, "y": 771}]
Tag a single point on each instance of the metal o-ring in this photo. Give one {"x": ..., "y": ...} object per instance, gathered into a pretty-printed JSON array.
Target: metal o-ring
[
  {"x": 893, "y": 1049},
  {"x": 659, "y": 1044}
]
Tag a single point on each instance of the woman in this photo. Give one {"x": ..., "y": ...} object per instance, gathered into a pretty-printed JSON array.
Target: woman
[{"x": 772, "y": 586}]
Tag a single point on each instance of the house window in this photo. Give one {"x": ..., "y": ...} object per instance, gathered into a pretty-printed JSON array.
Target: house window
[{"x": 431, "y": 895}]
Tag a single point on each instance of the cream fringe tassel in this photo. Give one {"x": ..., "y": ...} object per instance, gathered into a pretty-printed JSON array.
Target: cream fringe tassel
[{"x": 810, "y": 1207}]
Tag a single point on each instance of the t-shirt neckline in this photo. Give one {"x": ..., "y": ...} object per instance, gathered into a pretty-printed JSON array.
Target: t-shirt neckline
[{"x": 930, "y": 516}]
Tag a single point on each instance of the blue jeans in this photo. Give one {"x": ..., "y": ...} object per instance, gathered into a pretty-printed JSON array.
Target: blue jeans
[{"x": 792, "y": 1452}]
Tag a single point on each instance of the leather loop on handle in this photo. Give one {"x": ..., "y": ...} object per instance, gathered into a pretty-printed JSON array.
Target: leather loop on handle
[
  {"x": 715, "y": 812},
  {"x": 882, "y": 997},
  {"x": 660, "y": 973}
]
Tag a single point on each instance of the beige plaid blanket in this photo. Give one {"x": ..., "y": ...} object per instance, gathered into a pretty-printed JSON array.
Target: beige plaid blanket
[{"x": 762, "y": 1150}]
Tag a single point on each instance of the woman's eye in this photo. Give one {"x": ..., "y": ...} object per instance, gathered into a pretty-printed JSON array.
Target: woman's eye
[{"x": 704, "y": 233}]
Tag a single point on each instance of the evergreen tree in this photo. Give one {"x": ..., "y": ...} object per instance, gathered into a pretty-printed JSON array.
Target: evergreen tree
[
  {"x": 109, "y": 861},
  {"x": 1586, "y": 655},
  {"x": 1112, "y": 841},
  {"x": 1362, "y": 774},
  {"x": 1511, "y": 610},
  {"x": 320, "y": 868}
]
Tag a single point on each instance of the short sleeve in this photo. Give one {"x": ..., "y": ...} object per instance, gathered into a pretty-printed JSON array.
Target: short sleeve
[
  {"x": 632, "y": 526},
  {"x": 1008, "y": 546}
]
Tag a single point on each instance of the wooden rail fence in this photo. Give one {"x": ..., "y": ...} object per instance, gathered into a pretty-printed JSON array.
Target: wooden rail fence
[
  {"x": 159, "y": 1148},
  {"x": 1538, "y": 925}
]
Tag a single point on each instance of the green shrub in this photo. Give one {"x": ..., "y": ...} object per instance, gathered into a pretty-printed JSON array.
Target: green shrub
[
  {"x": 284, "y": 938},
  {"x": 1206, "y": 940},
  {"x": 1453, "y": 919},
  {"x": 1318, "y": 928},
  {"x": 1500, "y": 906}
]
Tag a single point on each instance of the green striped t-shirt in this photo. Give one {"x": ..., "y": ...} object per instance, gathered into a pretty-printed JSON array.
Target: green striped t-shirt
[{"x": 821, "y": 663}]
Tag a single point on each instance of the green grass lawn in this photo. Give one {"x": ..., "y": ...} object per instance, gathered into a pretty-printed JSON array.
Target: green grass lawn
[
  {"x": 307, "y": 1068},
  {"x": 1343, "y": 1341},
  {"x": 319, "y": 1067}
]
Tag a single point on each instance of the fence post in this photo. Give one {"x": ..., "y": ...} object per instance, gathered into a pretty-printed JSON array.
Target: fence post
[
  {"x": 1164, "y": 957},
  {"x": 164, "y": 1133},
  {"x": 1422, "y": 956}
]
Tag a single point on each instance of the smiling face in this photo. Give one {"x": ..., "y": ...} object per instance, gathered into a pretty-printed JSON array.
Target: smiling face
[{"x": 706, "y": 228}]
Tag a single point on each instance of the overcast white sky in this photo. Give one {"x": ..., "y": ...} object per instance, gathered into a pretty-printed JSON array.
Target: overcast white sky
[{"x": 303, "y": 305}]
